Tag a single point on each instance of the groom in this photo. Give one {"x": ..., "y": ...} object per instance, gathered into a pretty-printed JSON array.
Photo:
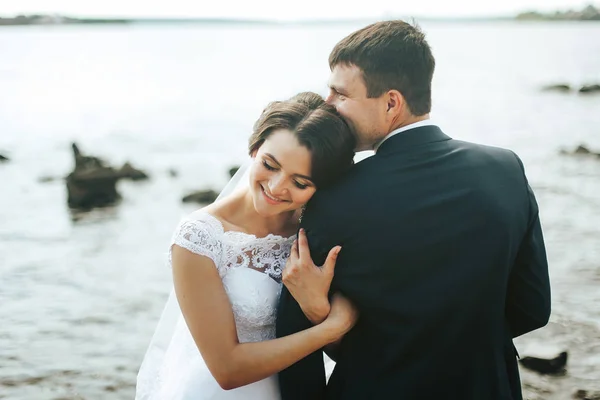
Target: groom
[{"x": 442, "y": 248}]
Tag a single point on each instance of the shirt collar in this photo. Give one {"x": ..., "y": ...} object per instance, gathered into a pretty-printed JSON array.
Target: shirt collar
[{"x": 426, "y": 122}]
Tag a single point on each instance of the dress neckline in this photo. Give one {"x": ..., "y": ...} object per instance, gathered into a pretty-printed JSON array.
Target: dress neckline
[{"x": 270, "y": 236}]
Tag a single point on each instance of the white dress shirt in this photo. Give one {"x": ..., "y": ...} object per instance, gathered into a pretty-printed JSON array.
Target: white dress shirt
[{"x": 426, "y": 122}]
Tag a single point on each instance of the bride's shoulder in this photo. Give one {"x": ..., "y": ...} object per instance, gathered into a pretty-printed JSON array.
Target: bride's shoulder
[
  {"x": 200, "y": 222},
  {"x": 200, "y": 233}
]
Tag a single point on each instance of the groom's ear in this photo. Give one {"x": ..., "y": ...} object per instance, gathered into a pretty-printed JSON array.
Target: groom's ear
[{"x": 395, "y": 102}]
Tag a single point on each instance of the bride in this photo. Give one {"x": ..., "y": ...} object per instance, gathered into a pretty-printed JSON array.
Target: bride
[{"x": 216, "y": 337}]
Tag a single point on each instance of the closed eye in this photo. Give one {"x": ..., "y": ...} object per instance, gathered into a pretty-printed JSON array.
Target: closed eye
[
  {"x": 336, "y": 93},
  {"x": 300, "y": 185},
  {"x": 269, "y": 167}
]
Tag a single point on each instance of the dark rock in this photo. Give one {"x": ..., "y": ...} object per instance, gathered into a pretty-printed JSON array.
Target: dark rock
[
  {"x": 86, "y": 162},
  {"x": 201, "y": 196},
  {"x": 580, "y": 150},
  {"x": 3, "y": 158},
  {"x": 544, "y": 366},
  {"x": 47, "y": 179},
  {"x": 92, "y": 183},
  {"x": 92, "y": 189},
  {"x": 173, "y": 173},
  {"x": 589, "y": 89},
  {"x": 127, "y": 171},
  {"x": 557, "y": 88},
  {"x": 586, "y": 395},
  {"x": 233, "y": 170}
]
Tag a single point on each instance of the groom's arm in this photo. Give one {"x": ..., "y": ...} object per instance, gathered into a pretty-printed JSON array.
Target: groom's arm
[
  {"x": 528, "y": 294},
  {"x": 306, "y": 378},
  {"x": 319, "y": 247}
]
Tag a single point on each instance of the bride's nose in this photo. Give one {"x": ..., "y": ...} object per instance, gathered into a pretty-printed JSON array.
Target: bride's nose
[{"x": 277, "y": 185}]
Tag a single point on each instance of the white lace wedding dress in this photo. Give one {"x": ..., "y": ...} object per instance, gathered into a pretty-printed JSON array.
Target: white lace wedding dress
[{"x": 250, "y": 268}]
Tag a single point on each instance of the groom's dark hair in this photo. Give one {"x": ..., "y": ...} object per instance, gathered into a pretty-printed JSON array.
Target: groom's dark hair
[{"x": 391, "y": 55}]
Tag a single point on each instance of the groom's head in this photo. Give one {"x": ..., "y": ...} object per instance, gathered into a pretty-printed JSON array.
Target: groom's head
[{"x": 381, "y": 79}]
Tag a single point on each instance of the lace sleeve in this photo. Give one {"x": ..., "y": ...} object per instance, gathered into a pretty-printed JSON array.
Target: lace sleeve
[{"x": 199, "y": 237}]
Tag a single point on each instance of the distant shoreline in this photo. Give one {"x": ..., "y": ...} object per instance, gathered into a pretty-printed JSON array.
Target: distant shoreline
[
  {"x": 37, "y": 20},
  {"x": 96, "y": 22},
  {"x": 589, "y": 13}
]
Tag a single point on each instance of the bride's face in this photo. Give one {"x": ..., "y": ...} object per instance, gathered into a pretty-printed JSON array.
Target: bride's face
[{"x": 280, "y": 175}]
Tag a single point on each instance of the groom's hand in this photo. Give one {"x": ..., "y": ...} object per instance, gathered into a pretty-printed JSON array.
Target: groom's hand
[{"x": 307, "y": 282}]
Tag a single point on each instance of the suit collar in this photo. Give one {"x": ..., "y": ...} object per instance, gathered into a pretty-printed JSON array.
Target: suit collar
[
  {"x": 405, "y": 128},
  {"x": 412, "y": 137}
]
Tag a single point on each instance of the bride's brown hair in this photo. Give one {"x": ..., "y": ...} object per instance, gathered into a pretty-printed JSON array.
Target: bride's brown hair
[{"x": 317, "y": 126}]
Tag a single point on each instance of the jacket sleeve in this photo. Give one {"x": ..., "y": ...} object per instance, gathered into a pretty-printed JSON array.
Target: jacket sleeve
[
  {"x": 528, "y": 295},
  {"x": 306, "y": 378}
]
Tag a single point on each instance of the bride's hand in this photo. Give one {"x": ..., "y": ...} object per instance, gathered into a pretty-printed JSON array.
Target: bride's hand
[
  {"x": 343, "y": 314},
  {"x": 307, "y": 282}
]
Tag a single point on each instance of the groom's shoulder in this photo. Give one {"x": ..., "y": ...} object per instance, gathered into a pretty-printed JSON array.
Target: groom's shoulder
[
  {"x": 364, "y": 174},
  {"x": 484, "y": 151},
  {"x": 474, "y": 146},
  {"x": 350, "y": 187},
  {"x": 363, "y": 169}
]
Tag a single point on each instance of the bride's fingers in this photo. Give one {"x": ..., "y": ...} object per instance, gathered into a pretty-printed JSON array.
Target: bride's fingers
[
  {"x": 294, "y": 251},
  {"x": 329, "y": 265},
  {"x": 303, "y": 249}
]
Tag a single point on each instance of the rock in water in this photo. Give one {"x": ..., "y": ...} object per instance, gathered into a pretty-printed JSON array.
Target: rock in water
[
  {"x": 127, "y": 171},
  {"x": 48, "y": 178},
  {"x": 92, "y": 183},
  {"x": 84, "y": 163},
  {"x": 201, "y": 196},
  {"x": 589, "y": 89},
  {"x": 233, "y": 170},
  {"x": 3, "y": 158},
  {"x": 586, "y": 395},
  {"x": 544, "y": 366},
  {"x": 557, "y": 88},
  {"x": 580, "y": 150},
  {"x": 97, "y": 189}
]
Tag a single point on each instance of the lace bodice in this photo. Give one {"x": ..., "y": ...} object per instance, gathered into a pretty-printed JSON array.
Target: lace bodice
[{"x": 250, "y": 269}]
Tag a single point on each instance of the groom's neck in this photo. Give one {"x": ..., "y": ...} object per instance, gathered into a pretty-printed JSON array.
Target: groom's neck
[{"x": 412, "y": 119}]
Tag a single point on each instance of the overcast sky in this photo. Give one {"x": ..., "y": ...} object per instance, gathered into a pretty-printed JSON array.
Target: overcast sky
[{"x": 282, "y": 9}]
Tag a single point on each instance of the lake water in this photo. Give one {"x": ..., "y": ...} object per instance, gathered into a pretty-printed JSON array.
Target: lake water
[{"x": 79, "y": 297}]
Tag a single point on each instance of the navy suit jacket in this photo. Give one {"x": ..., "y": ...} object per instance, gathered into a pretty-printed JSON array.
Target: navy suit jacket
[{"x": 443, "y": 255}]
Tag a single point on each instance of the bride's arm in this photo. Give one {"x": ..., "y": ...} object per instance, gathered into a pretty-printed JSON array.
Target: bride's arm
[{"x": 208, "y": 314}]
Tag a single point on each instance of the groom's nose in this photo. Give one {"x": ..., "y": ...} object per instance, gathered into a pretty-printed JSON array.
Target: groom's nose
[{"x": 330, "y": 99}]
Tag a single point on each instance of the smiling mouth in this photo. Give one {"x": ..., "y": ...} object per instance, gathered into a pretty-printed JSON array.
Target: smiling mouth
[{"x": 270, "y": 197}]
